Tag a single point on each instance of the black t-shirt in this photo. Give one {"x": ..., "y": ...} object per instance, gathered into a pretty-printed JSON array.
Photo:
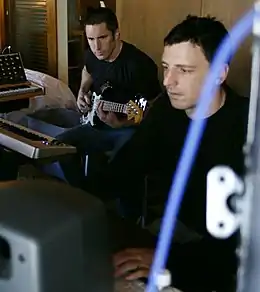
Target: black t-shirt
[
  {"x": 131, "y": 73},
  {"x": 156, "y": 146},
  {"x": 155, "y": 150}
]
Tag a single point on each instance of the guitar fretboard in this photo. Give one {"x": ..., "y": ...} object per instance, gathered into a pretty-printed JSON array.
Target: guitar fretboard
[{"x": 114, "y": 107}]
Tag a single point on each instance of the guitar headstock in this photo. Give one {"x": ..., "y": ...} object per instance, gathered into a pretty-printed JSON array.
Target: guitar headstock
[{"x": 135, "y": 109}]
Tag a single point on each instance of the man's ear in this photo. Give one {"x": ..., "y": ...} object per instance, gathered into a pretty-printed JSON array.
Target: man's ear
[
  {"x": 117, "y": 34},
  {"x": 224, "y": 74}
]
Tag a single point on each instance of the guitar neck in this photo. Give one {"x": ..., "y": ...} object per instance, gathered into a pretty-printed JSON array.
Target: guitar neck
[{"x": 110, "y": 106}]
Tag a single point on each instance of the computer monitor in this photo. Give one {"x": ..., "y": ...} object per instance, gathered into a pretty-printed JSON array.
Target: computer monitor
[{"x": 53, "y": 238}]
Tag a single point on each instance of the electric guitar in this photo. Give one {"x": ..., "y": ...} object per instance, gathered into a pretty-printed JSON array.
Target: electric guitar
[{"x": 134, "y": 109}]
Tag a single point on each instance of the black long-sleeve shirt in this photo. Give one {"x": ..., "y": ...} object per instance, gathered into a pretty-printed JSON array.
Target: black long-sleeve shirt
[{"x": 155, "y": 149}]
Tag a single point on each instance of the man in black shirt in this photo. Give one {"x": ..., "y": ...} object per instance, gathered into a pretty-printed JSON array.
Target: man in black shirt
[
  {"x": 154, "y": 150},
  {"x": 128, "y": 70}
]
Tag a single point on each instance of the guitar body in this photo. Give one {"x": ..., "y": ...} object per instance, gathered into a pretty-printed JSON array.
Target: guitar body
[{"x": 91, "y": 115}]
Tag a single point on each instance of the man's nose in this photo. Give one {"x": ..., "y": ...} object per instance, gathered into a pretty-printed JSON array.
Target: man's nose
[
  {"x": 97, "y": 44},
  {"x": 170, "y": 78}
]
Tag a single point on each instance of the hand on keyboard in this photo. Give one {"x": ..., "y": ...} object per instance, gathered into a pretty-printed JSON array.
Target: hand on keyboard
[
  {"x": 123, "y": 285},
  {"x": 133, "y": 263}
]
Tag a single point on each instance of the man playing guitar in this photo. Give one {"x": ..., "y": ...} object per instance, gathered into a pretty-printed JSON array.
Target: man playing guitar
[{"x": 130, "y": 72}]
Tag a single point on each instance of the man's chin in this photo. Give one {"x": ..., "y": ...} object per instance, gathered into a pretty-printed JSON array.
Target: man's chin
[
  {"x": 100, "y": 57},
  {"x": 178, "y": 104}
]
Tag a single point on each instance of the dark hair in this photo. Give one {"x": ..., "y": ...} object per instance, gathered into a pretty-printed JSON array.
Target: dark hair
[
  {"x": 205, "y": 32},
  {"x": 102, "y": 15}
]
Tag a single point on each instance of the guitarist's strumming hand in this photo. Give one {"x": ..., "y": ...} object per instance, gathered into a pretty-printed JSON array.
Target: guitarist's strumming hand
[
  {"x": 84, "y": 101},
  {"x": 111, "y": 119}
]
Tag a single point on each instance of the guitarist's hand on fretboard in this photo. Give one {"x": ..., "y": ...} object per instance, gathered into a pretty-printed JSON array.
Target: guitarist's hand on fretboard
[{"x": 110, "y": 118}]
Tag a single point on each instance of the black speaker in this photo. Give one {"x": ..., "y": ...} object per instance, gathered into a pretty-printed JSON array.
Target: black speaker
[{"x": 53, "y": 238}]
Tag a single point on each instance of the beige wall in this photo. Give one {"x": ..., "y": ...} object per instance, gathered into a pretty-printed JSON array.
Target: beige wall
[
  {"x": 146, "y": 22},
  {"x": 62, "y": 40}
]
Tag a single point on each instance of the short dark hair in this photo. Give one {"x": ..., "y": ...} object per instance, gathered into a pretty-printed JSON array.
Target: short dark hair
[
  {"x": 205, "y": 32},
  {"x": 102, "y": 15}
]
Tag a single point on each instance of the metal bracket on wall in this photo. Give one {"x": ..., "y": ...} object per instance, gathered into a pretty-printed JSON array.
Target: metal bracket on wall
[{"x": 224, "y": 196}]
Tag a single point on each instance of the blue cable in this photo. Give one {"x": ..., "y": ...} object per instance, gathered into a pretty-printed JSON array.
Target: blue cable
[{"x": 229, "y": 45}]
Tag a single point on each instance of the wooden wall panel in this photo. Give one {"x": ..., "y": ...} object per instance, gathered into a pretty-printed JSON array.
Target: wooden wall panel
[
  {"x": 82, "y": 6},
  {"x": 145, "y": 23},
  {"x": 52, "y": 37},
  {"x": 2, "y": 25},
  {"x": 229, "y": 12}
]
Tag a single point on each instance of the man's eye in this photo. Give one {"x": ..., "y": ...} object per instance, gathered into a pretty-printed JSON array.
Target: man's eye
[{"x": 183, "y": 70}]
